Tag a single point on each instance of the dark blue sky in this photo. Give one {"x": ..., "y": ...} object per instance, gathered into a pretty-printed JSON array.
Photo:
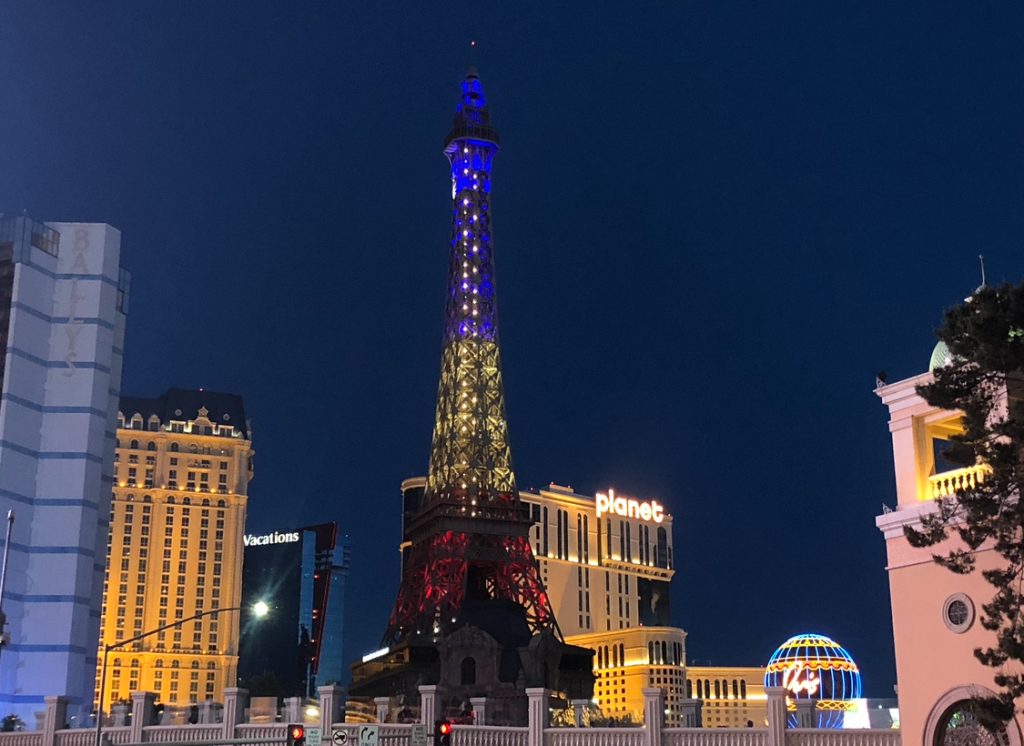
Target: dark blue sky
[{"x": 714, "y": 223}]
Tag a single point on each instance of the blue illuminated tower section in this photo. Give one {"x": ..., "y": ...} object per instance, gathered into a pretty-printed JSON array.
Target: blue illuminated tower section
[
  {"x": 469, "y": 539},
  {"x": 470, "y": 459}
]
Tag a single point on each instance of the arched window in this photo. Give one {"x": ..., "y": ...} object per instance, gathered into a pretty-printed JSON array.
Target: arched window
[
  {"x": 211, "y": 665},
  {"x": 222, "y": 504},
  {"x": 615, "y": 655},
  {"x": 735, "y": 689},
  {"x": 175, "y": 448},
  {"x": 175, "y": 664},
  {"x": 689, "y": 688},
  {"x": 960, "y": 725},
  {"x": 150, "y": 446},
  {"x": 664, "y": 652},
  {"x": 186, "y": 501},
  {"x": 661, "y": 551},
  {"x": 718, "y": 689},
  {"x": 468, "y": 669},
  {"x": 700, "y": 689},
  {"x": 154, "y": 422},
  {"x": 159, "y": 663},
  {"x": 117, "y": 661},
  {"x": 707, "y": 688},
  {"x": 147, "y": 499},
  {"x": 134, "y": 445},
  {"x": 622, "y": 654},
  {"x": 195, "y": 664},
  {"x": 136, "y": 421},
  {"x": 206, "y": 501},
  {"x": 135, "y": 662},
  {"x": 170, "y": 499},
  {"x": 600, "y": 658},
  {"x": 743, "y": 689}
]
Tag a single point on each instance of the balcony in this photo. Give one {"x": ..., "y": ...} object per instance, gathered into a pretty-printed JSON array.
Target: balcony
[{"x": 948, "y": 483}]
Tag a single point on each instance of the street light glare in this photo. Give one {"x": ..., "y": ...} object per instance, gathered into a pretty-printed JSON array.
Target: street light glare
[{"x": 260, "y": 609}]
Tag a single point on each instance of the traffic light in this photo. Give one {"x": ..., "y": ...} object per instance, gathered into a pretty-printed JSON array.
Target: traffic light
[
  {"x": 296, "y": 735},
  {"x": 442, "y": 733}
]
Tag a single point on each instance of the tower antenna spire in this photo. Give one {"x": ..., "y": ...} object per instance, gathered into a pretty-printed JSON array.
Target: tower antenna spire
[{"x": 981, "y": 260}]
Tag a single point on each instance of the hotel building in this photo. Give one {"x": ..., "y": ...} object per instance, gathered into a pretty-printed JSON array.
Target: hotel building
[
  {"x": 606, "y": 563},
  {"x": 63, "y": 302},
  {"x": 934, "y": 609},
  {"x": 183, "y": 465},
  {"x": 300, "y": 574},
  {"x": 730, "y": 696}
]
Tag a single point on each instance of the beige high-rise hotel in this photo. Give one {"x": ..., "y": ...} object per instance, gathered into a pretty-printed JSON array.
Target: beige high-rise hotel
[{"x": 182, "y": 470}]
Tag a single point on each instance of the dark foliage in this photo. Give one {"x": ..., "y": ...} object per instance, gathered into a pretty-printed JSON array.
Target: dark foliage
[{"x": 985, "y": 336}]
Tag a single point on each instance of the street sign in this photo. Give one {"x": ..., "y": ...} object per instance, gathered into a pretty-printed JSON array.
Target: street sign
[
  {"x": 369, "y": 735},
  {"x": 339, "y": 737},
  {"x": 419, "y": 734},
  {"x": 314, "y": 736}
]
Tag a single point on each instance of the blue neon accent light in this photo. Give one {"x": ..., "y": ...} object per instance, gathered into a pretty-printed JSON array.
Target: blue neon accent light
[{"x": 813, "y": 666}]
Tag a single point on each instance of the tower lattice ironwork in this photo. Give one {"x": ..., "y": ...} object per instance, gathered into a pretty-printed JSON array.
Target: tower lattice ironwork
[{"x": 469, "y": 540}]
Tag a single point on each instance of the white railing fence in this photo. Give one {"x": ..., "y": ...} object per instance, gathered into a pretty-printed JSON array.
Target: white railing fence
[
  {"x": 714, "y": 737},
  {"x": 843, "y": 738},
  {"x": 537, "y": 732}
]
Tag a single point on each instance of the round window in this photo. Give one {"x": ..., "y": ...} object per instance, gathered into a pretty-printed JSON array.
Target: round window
[{"x": 958, "y": 613}]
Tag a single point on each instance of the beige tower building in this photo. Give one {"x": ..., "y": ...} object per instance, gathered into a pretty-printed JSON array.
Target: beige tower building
[{"x": 182, "y": 470}]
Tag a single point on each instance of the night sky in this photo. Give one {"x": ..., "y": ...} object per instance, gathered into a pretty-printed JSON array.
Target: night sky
[{"x": 714, "y": 223}]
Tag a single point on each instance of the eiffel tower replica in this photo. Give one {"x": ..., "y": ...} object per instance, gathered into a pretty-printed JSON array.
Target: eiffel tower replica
[{"x": 472, "y": 614}]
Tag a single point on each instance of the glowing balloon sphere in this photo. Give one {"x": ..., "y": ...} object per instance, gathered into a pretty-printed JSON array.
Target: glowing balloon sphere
[{"x": 815, "y": 667}]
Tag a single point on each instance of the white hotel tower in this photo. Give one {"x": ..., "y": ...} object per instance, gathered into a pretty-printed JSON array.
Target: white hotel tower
[{"x": 63, "y": 298}]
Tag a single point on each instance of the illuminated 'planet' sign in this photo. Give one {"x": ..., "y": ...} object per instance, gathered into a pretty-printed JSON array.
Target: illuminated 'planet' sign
[{"x": 811, "y": 666}]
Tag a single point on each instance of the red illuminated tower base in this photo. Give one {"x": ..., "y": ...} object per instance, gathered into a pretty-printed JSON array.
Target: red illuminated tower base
[{"x": 472, "y": 614}]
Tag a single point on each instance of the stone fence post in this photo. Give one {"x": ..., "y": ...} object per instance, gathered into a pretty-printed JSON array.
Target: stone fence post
[
  {"x": 777, "y": 715},
  {"x": 430, "y": 706},
  {"x": 479, "y": 705},
  {"x": 143, "y": 714},
  {"x": 383, "y": 706},
  {"x": 330, "y": 707},
  {"x": 654, "y": 715},
  {"x": 691, "y": 713},
  {"x": 235, "y": 702},
  {"x": 56, "y": 718},
  {"x": 579, "y": 709},
  {"x": 209, "y": 712},
  {"x": 537, "y": 715},
  {"x": 806, "y": 713}
]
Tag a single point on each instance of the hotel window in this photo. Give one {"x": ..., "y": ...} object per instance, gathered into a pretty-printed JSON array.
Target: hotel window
[
  {"x": 743, "y": 689},
  {"x": 608, "y": 544},
  {"x": 586, "y": 540},
  {"x": 629, "y": 545}
]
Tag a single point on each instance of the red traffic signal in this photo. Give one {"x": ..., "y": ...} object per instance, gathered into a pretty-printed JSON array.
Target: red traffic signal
[
  {"x": 442, "y": 733},
  {"x": 296, "y": 735}
]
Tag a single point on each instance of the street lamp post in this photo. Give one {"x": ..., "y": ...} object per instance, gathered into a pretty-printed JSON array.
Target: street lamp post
[{"x": 259, "y": 609}]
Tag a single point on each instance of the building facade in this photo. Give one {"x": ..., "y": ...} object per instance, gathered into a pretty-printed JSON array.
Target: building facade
[
  {"x": 933, "y": 609},
  {"x": 731, "y": 696},
  {"x": 606, "y": 562},
  {"x": 183, "y": 465},
  {"x": 301, "y": 575},
  {"x": 63, "y": 304}
]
